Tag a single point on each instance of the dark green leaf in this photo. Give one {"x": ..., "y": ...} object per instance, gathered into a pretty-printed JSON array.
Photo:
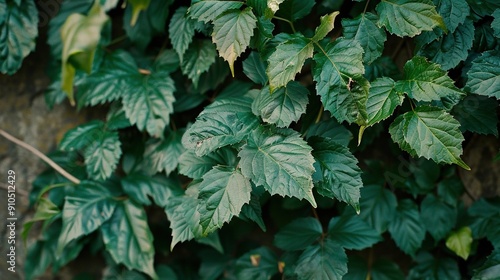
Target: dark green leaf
[
  {"x": 133, "y": 246},
  {"x": 163, "y": 154},
  {"x": 381, "y": 269},
  {"x": 408, "y": 17},
  {"x": 325, "y": 26},
  {"x": 260, "y": 263},
  {"x": 477, "y": 114},
  {"x": 378, "y": 206},
  {"x": 339, "y": 81},
  {"x": 253, "y": 211},
  {"x": 495, "y": 24},
  {"x": 195, "y": 166},
  {"x": 209, "y": 10},
  {"x": 438, "y": 217},
  {"x": 382, "y": 67},
  {"x": 365, "y": 31},
  {"x": 484, "y": 7},
  {"x": 18, "y": 30},
  {"x": 224, "y": 122},
  {"x": 460, "y": 242},
  {"x": 337, "y": 173},
  {"x": 331, "y": 129},
  {"x": 222, "y": 193},
  {"x": 102, "y": 155},
  {"x": 322, "y": 261},
  {"x": 295, "y": 9},
  {"x": 198, "y": 59},
  {"x": 167, "y": 62},
  {"x": 81, "y": 136},
  {"x": 351, "y": 232},
  {"x": 298, "y": 234},
  {"x": 453, "y": 12},
  {"x": 280, "y": 161},
  {"x": 236, "y": 88},
  {"x": 406, "y": 228},
  {"x": 383, "y": 98},
  {"x": 255, "y": 68},
  {"x": 484, "y": 75},
  {"x": 181, "y": 31},
  {"x": 116, "y": 118},
  {"x": 432, "y": 268},
  {"x": 283, "y": 106},
  {"x": 140, "y": 187},
  {"x": 490, "y": 269},
  {"x": 287, "y": 60}
]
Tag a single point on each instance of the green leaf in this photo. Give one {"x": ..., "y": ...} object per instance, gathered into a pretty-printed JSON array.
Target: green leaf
[
  {"x": 398, "y": 131},
  {"x": 140, "y": 187},
  {"x": 378, "y": 206},
  {"x": 325, "y": 26},
  {"x": 181, "y": 31},
  {"x": 433, "y": 134},
  {"x": 255, "y": 68},
  {"x": 102, "y": 155},
  {"x": 195, "y": 166},
  {"x": 223, "y": 192},
  {"x": 380, "y": 269},
  {"x": 46, "y": 210},
  {"x": 260, "y": 263},
  {"x": 87, "y": 208},
  {"x": 477, "y": 114},
  {"x": 383, "y": 66},
  {"x": 337, "y": 173},
  {"x": 298, "y": 234},
  {"x": 453, "y": 12},
  {"x": 295, "y": 9},
  {"x": 283, "y": 106},
  {"x": 224, "y": 122},
  {"x": 253, "y": 211},
  {"x": 116, "y": 118},
  {"x": 322, "y": 261},
  {"x": 451, "y": 49},
  {"x": 351, "y": 232},
  {"x": 150, "y": 104},
  {"x": 495, "y": 24},
  {"x": 490, "y": 269},
  {"x": 137, "y": 7},
  {"x": 287, "y": 60},
  {"x": 18, "y": 30},
  {"x": 80, "y": 36},
  {"x": 163, "y": 154},
  {"x": 330, "y": 129},
  {"x": 209, "y": 10},
  {"x": 406, "y": 228},
  {"x": 460, "y": 242},
  {"x": 280, "y": 161},
  {"x": 133, "y": 247},
  {"x": 438, "y": 217},
  {"x": 432, "y": 268},
  {"x": 383, "y": 98},
  {"x": 273, "y": 7},
  {"x": 365, "y": 31},
  {"x": 483, "y": 77},
  {"x": 198, "y": 59},
  {"x": 426, "y": 81},
  {"x": 81, "y": 136},
  {"x": 408, "y": 17},
  {"x": 232, "y": 33},
  {"x": 339, "y": 82},
  {"x": 484, "y": 7}
]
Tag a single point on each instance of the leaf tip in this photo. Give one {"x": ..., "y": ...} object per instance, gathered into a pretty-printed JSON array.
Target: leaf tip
[{"x": 360, "y": 134}]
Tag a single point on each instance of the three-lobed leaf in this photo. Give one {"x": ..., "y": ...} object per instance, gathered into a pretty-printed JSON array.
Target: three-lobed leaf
[
  {"x": 322, "y": 261},
  {"x": 163, "y": 154},
  {"x": 352, "y": 233},
  {"x": 438, "y": 217},
  {"x": 406, "y": 228},
  {"x": 298, "y": 234},
  {"x": 483, "y": 77},
  {"x": 102, "y": 155}
]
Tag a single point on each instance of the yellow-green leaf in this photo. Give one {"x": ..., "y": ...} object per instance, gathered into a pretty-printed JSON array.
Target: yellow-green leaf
[
  {"x": 460, "y": 242},
  {"x": 325, "y": 26}
]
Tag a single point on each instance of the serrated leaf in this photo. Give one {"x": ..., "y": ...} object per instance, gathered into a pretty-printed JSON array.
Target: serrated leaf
[
  {"x": 325, "y": 26},
  {"x": 87, "y": 208},
  {"x": 224, "y": 122},
  {"x": 283, "y": 106},
  {"x": 438, "y": 217},
  {"x": 378, "y": 206},
  {"x": 18, "y": 30},
  {"x": 432, "y": 268},
  {"x": 80, "y": 36},
  {"x": 484, "y": 7},
  {"x": 223, "y": 192},
  {"x": 406, "y": 228},
  {"x": 477, "y": 114},
  {"x": 137, "y": 7},
  {"x": 280, "y": 161},
  {"x": 398, "y": 130},
  {"x": 339, "y": 81},
  {"x": 352, "y": 233},
  {"x": 483, "y": 77},
  {"x": 163, "y": 154},
  {"x": 255, "y": 69},
  {"x": 495, "y": 24},
  {"x": 133, "y": 247},
  {"x": 232, "y": 33},
  {"x": 330, "y": 129},
  {"x": 408, "y": 17},
  {"x": 140, "y": 187},
  {"x": 184, "y": 219},
  {"x": 46, "y": 210},
  {"x": 383, "y": 98},
  {"x": 181, "y": 31},
  {"x": 209, "y": 10},
  {"x": 102, "y": 155},
  {"x": 434, "y": 134},
  {"x": 298, "y": 234},
  {"x": 460, "y": 242},
  {"x": 295, "y": 9},
  {"x": 452, "y": 48},
  {"x": 81, "y": 136},
  {"x": 322, "y": 261},
  {"x": 337, "y": 173},
  {"x": 150, "y": 104},
  {"x": 287, "y": 60},
  {"x": 260, "y": 263},
  {"x": 253, "y": 211},
  {"x": 426, "y": 81},
  {"x": 365, "y": 31},
  {"x": 453, "y": 12},
  {"x": 195, "y": 166},
  {"x": 197, "y": 59}
]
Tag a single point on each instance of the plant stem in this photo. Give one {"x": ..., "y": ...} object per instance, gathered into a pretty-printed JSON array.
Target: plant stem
[
  {"x": 41, "y": 156},
  {"x": 117, "y": 40},
  {"x": 320, "y": 114},
  {"x": 366, "y": 6},
  {"x": 286, "y": 20}
]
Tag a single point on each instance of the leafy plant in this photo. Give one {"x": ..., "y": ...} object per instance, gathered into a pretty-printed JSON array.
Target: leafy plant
[{"x": 256, "y": 174}]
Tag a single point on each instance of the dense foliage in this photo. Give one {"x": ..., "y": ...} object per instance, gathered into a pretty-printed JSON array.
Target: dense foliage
[{"x": 226, "y": 149}]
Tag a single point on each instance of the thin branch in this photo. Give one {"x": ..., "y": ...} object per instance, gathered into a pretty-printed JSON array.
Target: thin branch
[
  {"x": 41, "y": 156},
  {"x": 320, "y": 114},
  {"x": 286, "y": 20},
  {"x": 366, "y": 6}
]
